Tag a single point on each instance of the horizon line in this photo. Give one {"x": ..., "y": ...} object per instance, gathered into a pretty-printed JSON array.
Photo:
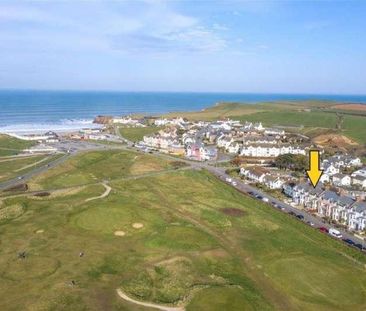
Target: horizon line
[{"x": 176, "y": 91}]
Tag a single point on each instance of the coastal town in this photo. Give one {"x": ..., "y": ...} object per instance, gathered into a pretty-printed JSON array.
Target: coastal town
[{"x": 257, "y": 155}]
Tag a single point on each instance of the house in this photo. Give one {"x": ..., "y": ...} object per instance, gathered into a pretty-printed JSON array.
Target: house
[
  {"x": 288, "y": 189},
  {"x": 306, "y": 195},
  {"x": 334, "y": 206},
  {"x": 199, "y": 152},
  {"x": 224, "y": 141},
  {"x": 329, "y": 168},
  {"x": 274, "y": 132},
  {"x": 259, "y": 139},
  {"x": 255, "y": 173},
  {"x": 344, "y": 160},
  {"x": 328, "y": 200},
  {"x": 273, "y": 182},
  {"x": 233, "y": 148},
  {"x": 360, "y": 172},
  {"x": 357, "y": 217},
  {"x": 359, "y": 180},
  {"x": 258, "y": 126},
  {"x": 90, "y": 131},
  {"x": 127, "y": 120},
  {"x": 324, "y": 178},
  {"x": 209, "y": 153},
  {"x": 266, "y": 150},
  {"x": 341, "y": 179}
]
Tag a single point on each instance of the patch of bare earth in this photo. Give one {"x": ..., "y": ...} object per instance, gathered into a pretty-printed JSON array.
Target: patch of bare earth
[
  {"x": 354, "y": 107},
  {"x": 334, "y": 139},
  {"x": 230, "y": 211}
]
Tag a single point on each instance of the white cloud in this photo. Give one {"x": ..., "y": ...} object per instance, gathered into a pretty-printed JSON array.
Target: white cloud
[{"x": 126, "y": 26}]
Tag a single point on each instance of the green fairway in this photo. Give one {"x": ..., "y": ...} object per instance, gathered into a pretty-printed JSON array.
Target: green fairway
[
  {"x": 188, "y": 239},
  {"x": 11, "y": 146},
  {"x": 98, "y": 166},
  {"x": 136, "y": 134}
]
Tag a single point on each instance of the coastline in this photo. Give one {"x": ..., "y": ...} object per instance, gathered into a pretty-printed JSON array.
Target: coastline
[{"x": 25, "y": 112}]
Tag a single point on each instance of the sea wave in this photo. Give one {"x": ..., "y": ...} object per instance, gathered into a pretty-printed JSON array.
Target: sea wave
[{"x": 65, "y": 125}]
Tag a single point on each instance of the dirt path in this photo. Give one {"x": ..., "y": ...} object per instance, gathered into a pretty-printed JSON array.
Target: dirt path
[
  {"x": 32, "y": 164},
  {"x": 146, "y": 304},
  {"x": 105, "y": 194}
]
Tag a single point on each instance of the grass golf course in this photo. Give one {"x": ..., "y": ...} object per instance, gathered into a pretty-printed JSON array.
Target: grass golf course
[
  {"x": 169, "y": 237},
  {"x": 11, "y": 146}
]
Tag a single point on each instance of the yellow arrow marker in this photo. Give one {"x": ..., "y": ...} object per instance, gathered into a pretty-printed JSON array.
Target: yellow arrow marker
[{"x": 314, "y": 171}]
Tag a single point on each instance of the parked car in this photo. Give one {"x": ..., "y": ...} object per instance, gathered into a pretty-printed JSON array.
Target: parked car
[
  {"x": 359, "y": 246},
  {"x": 348, "y": 241},
  {"x": 234, "y": 183},
  {"x": 301, "y": 217},
  {"x": 265, "y": 200},
  {"x": 323, "y": 229},
  {"x": 335, "y": 233},
  {"x": 291, "y": 213},
  {"x": 229, "y": 179},
  {"x": 310, "y": 223}
]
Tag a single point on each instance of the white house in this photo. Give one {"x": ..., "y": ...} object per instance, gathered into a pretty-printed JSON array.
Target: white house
[
  {"x": 357, "y": 217},
  {"x": 341, "y": 179},
  {"x": 255, "y": 173},
  {"x": 265, "y": 150},
  {"x": 274, "y": 132},
  {"x": 273, "y": 182},
  {"x": 233, "y": 148},
  {"x": 329, "y": 169}
]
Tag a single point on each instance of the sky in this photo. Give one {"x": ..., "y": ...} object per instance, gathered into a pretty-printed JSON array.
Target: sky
[{"x": 293, "y": 46}]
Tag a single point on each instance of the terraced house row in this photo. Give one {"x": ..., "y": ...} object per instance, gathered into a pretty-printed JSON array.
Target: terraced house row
[{"x": 342, "y": 209}]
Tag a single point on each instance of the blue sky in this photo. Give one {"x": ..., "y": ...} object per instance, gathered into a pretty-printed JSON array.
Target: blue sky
[{"x": 232, "y": 46}]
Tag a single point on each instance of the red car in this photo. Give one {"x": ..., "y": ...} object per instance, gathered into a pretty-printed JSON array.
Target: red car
[{"x": 323, "y": 229}]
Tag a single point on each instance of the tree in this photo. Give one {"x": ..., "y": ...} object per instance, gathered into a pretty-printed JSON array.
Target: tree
[{"x": 294, "y": 162}]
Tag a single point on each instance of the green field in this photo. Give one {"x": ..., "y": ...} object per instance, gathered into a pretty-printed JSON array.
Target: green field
[
  {"x": 11, "y": 146},
  {"x": 100, "y": 166},
  {"x": 136, "y": 134},
  {"x": 187, "y": 239}
]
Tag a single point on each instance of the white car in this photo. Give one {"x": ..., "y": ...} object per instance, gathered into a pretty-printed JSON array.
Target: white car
[
  {"x": 228, "y": 179},
  {"x": 335, "y": 233},
  {"x": 234, "y": 183},
  {"x": 265, "y": 199}
]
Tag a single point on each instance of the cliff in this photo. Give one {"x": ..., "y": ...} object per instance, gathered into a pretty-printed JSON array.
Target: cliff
[{"x": 103, "y": 119}]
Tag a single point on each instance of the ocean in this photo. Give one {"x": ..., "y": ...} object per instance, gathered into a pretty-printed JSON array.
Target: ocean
[{"x": 39, "y": 111}]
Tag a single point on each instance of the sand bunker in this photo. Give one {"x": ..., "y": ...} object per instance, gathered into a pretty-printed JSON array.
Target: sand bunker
[
  {"x": 40, "y": 231},
  {"x": 119, "y": 233},
  {"x": 137, "y": 225}
]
